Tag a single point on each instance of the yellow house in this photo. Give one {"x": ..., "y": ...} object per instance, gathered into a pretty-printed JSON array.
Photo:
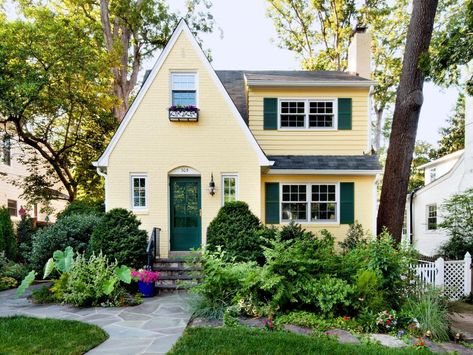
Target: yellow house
[{"x": 292, "y": 144}]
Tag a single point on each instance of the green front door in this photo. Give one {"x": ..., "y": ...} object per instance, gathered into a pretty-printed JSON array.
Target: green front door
[{"x": 185, "y": 213}]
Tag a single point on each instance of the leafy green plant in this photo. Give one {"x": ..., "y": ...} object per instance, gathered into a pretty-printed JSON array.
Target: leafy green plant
[
  {"x": 328, "y": 293},
  {"x": 119, "y": 237},
  {"x": 238, "y": 232},
  {"x": 27, "y": 281},
  {"x": 94, "y": 281},
  {"x": 7, "y": 282},
  {"x": 293, "y": 230},
  {"x": 429, "y": 308},
  {"x": 43, "y": 295},
  {"x": 7, "y": 235},
  {"x": 11, "y": 269},
  {"x": 368, "y": 292},
  {"x": 24, "y": 234},
  {"x": 354, "y": 237},
  {"x": 74, "y": 231}
]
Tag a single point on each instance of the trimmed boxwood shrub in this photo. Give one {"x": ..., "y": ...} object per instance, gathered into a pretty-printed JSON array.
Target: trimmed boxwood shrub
[
  {"x": 7, "y": 235},
  {"x": 82, "y": 207},
  {"x": 238, "y": 232},
  {"x": 74, "y": 230},
  {"x": 119, "y": 237}
]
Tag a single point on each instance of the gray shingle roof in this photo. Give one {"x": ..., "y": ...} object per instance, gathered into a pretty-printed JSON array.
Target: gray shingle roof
[
  {"x": 234, "y": 81},
  {"x": 325, "y": 162}
]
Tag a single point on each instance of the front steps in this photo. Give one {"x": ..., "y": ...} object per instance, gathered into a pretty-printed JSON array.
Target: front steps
[{"x": 175, "y": 274}]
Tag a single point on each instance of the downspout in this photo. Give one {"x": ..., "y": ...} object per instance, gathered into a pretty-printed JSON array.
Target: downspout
[
  {"x": 411, "y": 220},
  {"x": 102, "y": 171}
]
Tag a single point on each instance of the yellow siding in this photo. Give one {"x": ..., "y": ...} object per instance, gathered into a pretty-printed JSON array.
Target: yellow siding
[
  {"x": 364, "y": 199},
  {"x": 153, "y": 145},
  {"x": 300, "y": 142}
]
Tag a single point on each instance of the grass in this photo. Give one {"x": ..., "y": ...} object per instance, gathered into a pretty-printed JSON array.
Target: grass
[
  {"x": 26, "y": 335},
  {"x": 228, "y": 341}
]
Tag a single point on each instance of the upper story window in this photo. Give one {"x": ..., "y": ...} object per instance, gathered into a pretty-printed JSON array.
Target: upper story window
[
  {"x": 432, "y": 217},
  {"x": 13, "y": 208},
  {"x": 309, "y": 203},
  {"x": 230, "y": 188},
  {"x": 433, "y": 174},
  {"x": 184, "y": 89},
  {"x": 6, "y": 149},
  {"x": 307, "y": 113},
  {"x": 139, "y": 191}
]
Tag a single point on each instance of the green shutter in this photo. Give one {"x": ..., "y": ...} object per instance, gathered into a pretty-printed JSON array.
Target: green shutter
[
  {"x": 344, "y": 113},
  {"x": 347, "y": 202},
  {"x": 272, "y": 203},
  {"x": 270, "y": 110}
]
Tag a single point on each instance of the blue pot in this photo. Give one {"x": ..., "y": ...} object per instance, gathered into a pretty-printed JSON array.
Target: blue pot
[{"x": 147, "y": 289}]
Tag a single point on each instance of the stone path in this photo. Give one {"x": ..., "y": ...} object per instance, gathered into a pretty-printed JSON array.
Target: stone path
[{"x": 150, "y": 328}]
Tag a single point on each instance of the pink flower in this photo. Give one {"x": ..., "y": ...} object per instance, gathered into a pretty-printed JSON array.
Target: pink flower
[{"x": 145, "y": 276}]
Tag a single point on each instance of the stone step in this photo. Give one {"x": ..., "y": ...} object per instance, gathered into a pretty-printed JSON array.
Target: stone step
[
  {"x": 177, "y": 268},
  {"x": 179, "y": 277}
]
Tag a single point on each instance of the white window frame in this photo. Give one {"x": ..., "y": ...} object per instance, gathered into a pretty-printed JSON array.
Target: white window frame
[
  {"x": 196, "y": 81},
  {"x": 307, "y": 102},
  {"x": 132, "y": 191},
  {"x": 237, "y": 187},
  {"x": 427, "y": 215},
  {"x": 433, "y": 174},
  {"x": 309, "y": 202}
]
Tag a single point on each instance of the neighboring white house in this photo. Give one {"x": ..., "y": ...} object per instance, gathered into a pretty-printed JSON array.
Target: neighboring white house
[{"x": 444, "y": 177}]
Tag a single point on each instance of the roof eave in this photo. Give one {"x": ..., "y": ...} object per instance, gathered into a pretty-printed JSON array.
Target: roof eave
[
  {"x": 318, "y": 83},
  {"x": 323, "y": 172}
]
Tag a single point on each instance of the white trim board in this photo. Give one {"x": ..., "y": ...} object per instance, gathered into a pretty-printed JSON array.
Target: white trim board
[
  {"x": 321, "y": 172},
  {"x": 181, "y": 28}
]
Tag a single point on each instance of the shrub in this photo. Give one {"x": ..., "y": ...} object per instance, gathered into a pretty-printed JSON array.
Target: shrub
[
  {"x": 82, "y": 207},
  {"x": 355, "y": 236},
  {"x": 429, "y": 307},
  {"x": 238, "y": 232},
  {"x": 294, "y": 230},
  {"x": 24, "y": 234},
  {"x": 368, "y": 292},
  {"x": 11, "y": 269},
  {"x": 43, "y": 295},
  {"x": 74, "y": 231},
  {"x": 118, "y": 236},
  {"x": 7, "y": 235},
  {"x": 88, "y": 281},
  {"x": 7, "y": 282}
]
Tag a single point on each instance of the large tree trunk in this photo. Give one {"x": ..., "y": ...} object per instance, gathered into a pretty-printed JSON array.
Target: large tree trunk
[{"x": 406, "y": 117}]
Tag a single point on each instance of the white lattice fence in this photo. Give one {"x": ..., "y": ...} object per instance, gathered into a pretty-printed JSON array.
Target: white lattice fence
[{"x": 454, "y": 276}]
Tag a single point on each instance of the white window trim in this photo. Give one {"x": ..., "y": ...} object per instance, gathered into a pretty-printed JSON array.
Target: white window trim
[
  {"x": 196, "y": 75},
  {"x": 309, "y": 201},
  {"x": 132, "y": 200},
  {"x": 237, "y": 186},
  {"x": 427, "y": 218},
  {"x": 306, "y": 113}
]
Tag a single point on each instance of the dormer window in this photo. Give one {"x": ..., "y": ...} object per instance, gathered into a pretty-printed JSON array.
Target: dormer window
[
  {"x": 433, "y": 174},
  {"x": 184, "y": 89}
]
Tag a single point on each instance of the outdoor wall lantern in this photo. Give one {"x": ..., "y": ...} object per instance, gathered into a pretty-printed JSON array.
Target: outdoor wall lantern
[{"x": 212, "y": 185}]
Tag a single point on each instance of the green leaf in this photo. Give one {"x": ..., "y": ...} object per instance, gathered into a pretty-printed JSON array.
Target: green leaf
[
  {"x": 27, "y": 281},
  {"x": 64, "y": 259},
  {"x": 109, "y": 286},
  {"x": 124, "y": 274},
  {"x": 48, "y": 268}
]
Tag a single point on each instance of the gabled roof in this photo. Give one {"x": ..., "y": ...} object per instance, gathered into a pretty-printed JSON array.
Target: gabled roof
[
  {"x": 454, "y": 155},
  {"x": 181, "y": 28},
  {"x": 326, "y": 164}
]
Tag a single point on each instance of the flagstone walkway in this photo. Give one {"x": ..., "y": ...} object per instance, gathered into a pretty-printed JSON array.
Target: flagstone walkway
[{"x": 150, "y": 328}]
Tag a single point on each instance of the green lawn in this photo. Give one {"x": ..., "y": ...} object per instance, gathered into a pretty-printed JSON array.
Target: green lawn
[
  {"x": 226, "y": 341},
  {"x": 25, "y": 335}
]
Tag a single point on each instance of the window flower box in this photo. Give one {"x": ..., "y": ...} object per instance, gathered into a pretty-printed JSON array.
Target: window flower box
[{"x": 183, "y": 113}]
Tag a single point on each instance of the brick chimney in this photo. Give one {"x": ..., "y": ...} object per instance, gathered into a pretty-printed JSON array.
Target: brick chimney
[{"x": 359, "y": 53}]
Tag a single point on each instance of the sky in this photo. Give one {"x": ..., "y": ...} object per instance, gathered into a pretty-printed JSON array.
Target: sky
[{"x": 245, "y": 38}]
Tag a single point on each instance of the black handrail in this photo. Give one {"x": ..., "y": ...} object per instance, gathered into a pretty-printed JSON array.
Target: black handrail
[{"x": 152, "y": 249}]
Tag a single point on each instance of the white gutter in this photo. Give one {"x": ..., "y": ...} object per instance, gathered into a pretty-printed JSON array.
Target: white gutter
[
  {"x": 321, "y": 172},
  {"x": 326, "y": 83}
]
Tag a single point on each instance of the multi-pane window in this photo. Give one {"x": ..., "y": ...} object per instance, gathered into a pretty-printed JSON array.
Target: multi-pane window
[
  {"x": 138, "y": 190},
  {"x": 433, "y": 174},
  {"x": 294, "y": 203},
  {"x": 293, "y": 114},
  {"x": 324, "y": 203},
  {"x": 12, "y": 208},
  {"x": 184, "y": 89},
  {"x": 320, "y": 114},
  {"x": 404, "y": 223},
  {"x": 6, "y": 149},
  {"x": 230, "y": 188},
  {"x": 432, "y": 217},
  {"x": 309, "y": 203},
  {"x": 308, "y": 114}
]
